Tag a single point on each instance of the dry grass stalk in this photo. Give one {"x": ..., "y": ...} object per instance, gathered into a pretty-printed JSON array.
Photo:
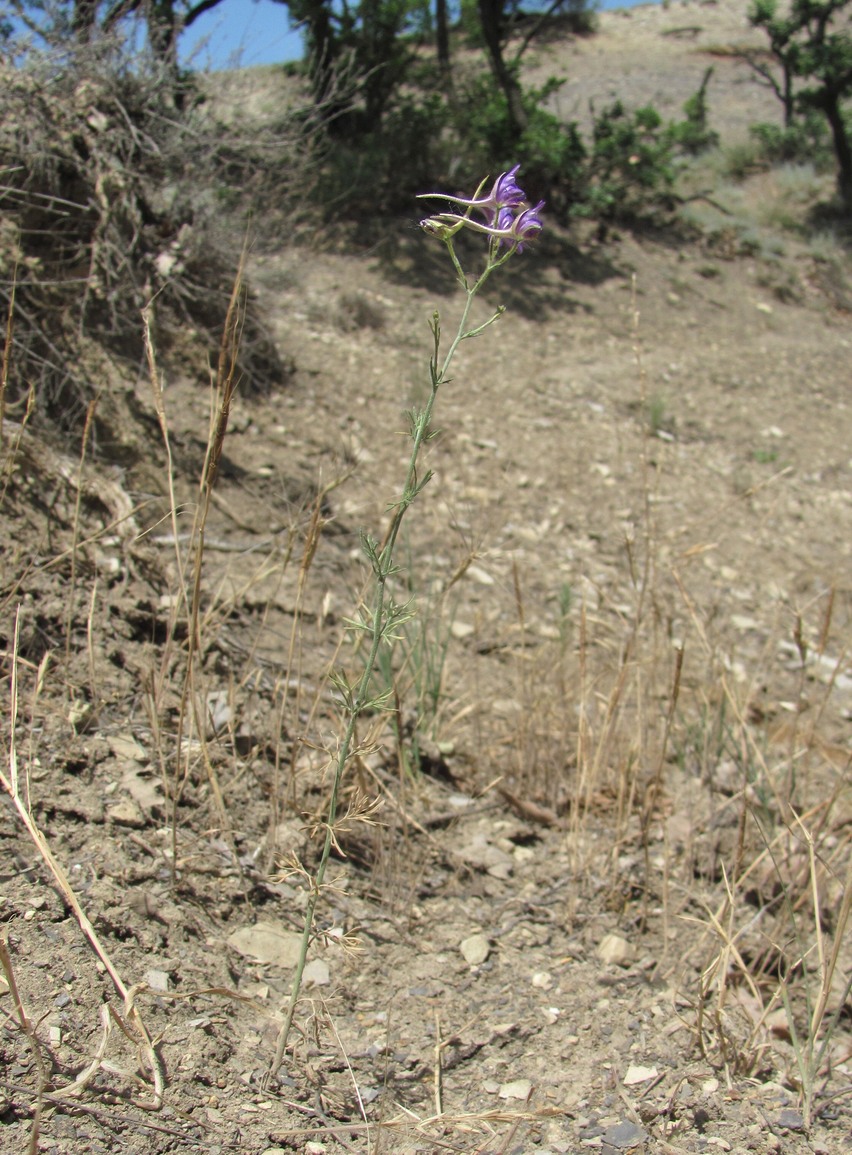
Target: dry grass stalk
[
  {"x": 135, "y": 1026},
  {"x": 75, "y": 527},
  {"x": 28, "y": 1027},
  {"x": 7, "y": 351},
  {"x": 192, "y": 722}
]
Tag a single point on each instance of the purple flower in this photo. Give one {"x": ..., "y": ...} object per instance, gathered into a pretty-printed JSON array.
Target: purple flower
[
  {"x": 505, "y": 193},
  {"x": 526, "y": 226},
  {"x": 509, "y": 219},
  {"x": 515, "y": 229}
]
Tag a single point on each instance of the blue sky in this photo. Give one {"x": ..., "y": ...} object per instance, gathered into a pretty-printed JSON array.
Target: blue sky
[{"x": 243, "y": 33}]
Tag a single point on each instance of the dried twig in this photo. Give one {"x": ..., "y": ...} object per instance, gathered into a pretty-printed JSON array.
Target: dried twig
[{"x": 12, "y": 784}]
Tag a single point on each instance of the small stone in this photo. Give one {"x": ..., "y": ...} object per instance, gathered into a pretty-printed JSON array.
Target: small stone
[
  {"x": 636, "y": 1074},
  {"x": 268, "y": 942},
  {"x": 316, "y": 973},
  {"x": 126, "y": 746},
  {"x": 518, "y": 1089},
  {"x": 479, "y": 575},
  {"x": 461, "y": 630},
  {"x": 475, "y": 949},
  {"x": 126, "y": 813},
  {"x": 790, "y": 1120},
  {"x": 156, "y": 979},
  {"x": 615, "y": 950},
  {"x": 625, "y": 1135}
]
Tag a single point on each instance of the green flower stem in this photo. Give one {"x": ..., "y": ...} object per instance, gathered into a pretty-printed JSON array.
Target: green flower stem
[{"x": 381, "y": 617}]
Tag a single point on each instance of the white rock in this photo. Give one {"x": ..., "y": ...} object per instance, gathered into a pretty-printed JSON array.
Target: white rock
[
  {"x": 518, "y": 1089},
  {"x": 268, "y": 942},
  {"x": 316, "y": 973},
  {"x": 636, "y": 1074},
  {"x": 475, "y": 949},
  {"x": 156, "y": 979},
  {"x": 615, "y": 950}
]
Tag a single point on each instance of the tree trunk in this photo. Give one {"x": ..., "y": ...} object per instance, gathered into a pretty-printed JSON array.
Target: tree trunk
[
  {"x": 491, "y": 14},
  {"x": 322, "y": 49},
  {"x": 163, "y": 29},
  {"x": 842, "y": 149},
  {"x": 85, "y": 19},
  {"x": 442, "y": 39}
]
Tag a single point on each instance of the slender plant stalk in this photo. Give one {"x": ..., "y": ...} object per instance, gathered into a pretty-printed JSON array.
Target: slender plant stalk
[{"x": 384, "y": 615}]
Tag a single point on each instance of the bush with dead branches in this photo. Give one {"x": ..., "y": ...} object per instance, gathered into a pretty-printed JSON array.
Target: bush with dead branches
[{"x": 114, "y": 185}]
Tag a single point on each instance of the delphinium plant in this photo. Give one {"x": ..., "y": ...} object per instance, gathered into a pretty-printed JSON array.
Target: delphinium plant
[{"x": 507, "y": 222}]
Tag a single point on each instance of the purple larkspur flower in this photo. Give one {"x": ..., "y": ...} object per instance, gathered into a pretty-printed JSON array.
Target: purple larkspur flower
[
  {"x": 526, "y": 226},
  {"x": 516, "y": 229},
  {"x": 505, "y": 193},
  {"x": 509, "y": 218}
]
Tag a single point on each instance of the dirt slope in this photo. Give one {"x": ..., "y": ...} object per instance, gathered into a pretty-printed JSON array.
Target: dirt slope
[{"x": 648, "y": 454}]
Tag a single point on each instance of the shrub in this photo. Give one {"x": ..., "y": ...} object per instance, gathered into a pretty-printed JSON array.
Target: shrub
[
  {"x": 692, "y": 135},
  {"x": 624, "y": 172},
  {"x": 630, "y": 166},
  {"x": 552, "y": 154},
  {"x": 104, "y": 210},
  {"x": 386, "y": 167},
  {"x": 806, "y": 139}
]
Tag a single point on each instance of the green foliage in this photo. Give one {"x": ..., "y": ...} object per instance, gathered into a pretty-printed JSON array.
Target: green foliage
[
  {"x": 365, "y": 41},
  {"x": 411, "y": 677},
  {"x": 553, "y": 155},
  {"x": 469, "y": 24},
  {"x": 385, "y": 168},
  {"x": 482, "y": 123},
  {"x": 634, "y": 158},
  {"x": 812, "y": 47},
  {"x": 806, "y": 139},
  {"x": 625, "y": 170},
  {"x": 550, "y": 153},
  {"x": 692, "y": 135},
  {"x": 657, "y": 416},
  {"x": 581, "y": 16},
  {"x": 631, "y": 164}
]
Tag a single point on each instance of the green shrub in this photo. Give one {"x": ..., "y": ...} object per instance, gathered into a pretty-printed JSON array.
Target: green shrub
[
  {"x": 551, "y": 154},
  {"x": 806, "y": 139},
  {"x": 554, "y": 157},
  {"x": 470, "y": 24},
  {"x": 626, "y": 171},
  {"x": 631, "y": 165},
  {"x": 385, "y": 168},
  {"x": 482, "y": 125},
  {"x": 743, "y": 159},
  {"x": 580, "y": 16},
  {"x": 692, "y": 135}
]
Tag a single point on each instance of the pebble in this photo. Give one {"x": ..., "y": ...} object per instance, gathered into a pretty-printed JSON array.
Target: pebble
[{"x": 475, "y": 949}]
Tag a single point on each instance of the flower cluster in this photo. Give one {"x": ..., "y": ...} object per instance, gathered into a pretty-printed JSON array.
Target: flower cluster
[{"x": 509, "y": 219}]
